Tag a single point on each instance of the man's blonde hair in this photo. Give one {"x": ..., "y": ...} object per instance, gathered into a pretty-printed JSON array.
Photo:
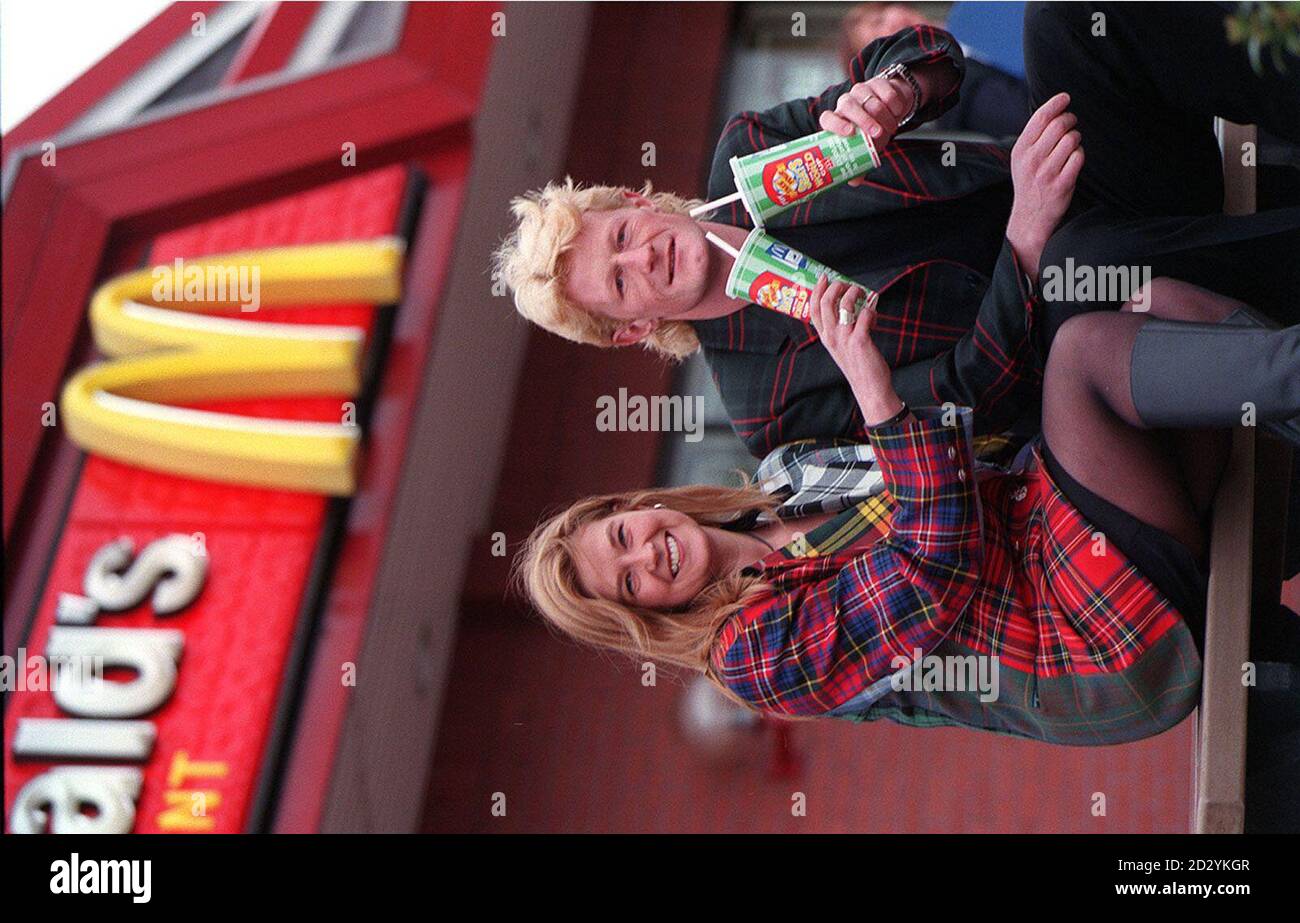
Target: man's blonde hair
[{"x": 529, "y": 262}]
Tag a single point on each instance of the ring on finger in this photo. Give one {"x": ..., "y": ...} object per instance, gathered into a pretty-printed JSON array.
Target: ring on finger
[{"x": 846, "y": 317}]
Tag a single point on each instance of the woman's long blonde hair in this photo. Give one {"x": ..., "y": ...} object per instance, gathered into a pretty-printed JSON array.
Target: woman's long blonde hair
[{"x": 545, "y": 571}]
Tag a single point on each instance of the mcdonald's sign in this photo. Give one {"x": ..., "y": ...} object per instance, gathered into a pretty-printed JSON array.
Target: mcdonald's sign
[
  {"x": 167, "y": 350},
  {"x": 222, "y": 425}
]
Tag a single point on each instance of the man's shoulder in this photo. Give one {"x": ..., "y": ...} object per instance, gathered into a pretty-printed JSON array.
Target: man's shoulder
[
  {"x": 750, "y": 331},
  {"x": 733, "y": 140}
]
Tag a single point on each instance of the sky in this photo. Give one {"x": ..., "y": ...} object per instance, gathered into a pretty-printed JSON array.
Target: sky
[{"x": 46, "y": 44}]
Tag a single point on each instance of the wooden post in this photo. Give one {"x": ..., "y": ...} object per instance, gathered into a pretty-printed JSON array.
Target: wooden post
[
  {"x": 1221, "y": 739},
  {"x": 1220, "y": 764}
]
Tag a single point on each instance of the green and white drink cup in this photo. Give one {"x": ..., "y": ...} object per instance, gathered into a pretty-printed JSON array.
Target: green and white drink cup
[
  {"x": 780, "y": 278},
  {"x": 771, "y": 180}
]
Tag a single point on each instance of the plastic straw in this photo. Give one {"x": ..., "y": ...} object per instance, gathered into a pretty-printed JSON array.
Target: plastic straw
[
  {"x": 722, "y": 245},
  {"x": 715, "y": 204}
]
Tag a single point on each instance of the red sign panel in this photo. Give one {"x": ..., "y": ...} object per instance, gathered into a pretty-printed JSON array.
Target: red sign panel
[{"x": 212, "y": 735}]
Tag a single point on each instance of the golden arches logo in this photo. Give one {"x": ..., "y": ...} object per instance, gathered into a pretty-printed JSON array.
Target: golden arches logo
[{"x": 166, "y": 349}]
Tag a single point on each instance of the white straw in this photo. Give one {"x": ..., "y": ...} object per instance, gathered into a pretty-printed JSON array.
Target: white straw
[
  {"x": 722, "y": 245},
  {"x": 715, "y": 204}
]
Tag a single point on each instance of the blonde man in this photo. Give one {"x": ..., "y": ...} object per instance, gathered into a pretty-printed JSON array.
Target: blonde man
[{"x": 949, "y": 234}]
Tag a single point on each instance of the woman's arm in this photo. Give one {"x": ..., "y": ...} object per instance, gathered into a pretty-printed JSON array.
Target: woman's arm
[
  {"x": 846, "y": 622},
  {"x": 851, "y": 346},
  {"x": 841, "y": 625}
]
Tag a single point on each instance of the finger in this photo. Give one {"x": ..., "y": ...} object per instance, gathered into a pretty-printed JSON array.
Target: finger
[
  {"x": 882, "y": 114},
  {"x": 848, "y": 300},
  {"x": 831, "y": 303},
  {"x": 1046, "y": 112},
  {"x": 825, "y": 304},
  {"x": 815, "y": 302},
  {"x": 1068, "y": 144},
  {"x": 831, "y": 298},
  {"x": 833, "y": 121},
  {"x": 1073, "y": 167},
  {"x": 850, "y": 108},
  {"x": 893, "y": 96},
  {"x": 862, "y": 327},
  {"x": 844, "y": 313},
  {"x": 857, "y": 181},
  {"x": 1056, "y": 130},
  {"x": 865, "y": 96}
]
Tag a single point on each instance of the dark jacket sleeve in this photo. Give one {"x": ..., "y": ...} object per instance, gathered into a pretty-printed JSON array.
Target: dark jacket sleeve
[
  {"x": 995, "y": 368},
  {"x": 747, "y": 132}
]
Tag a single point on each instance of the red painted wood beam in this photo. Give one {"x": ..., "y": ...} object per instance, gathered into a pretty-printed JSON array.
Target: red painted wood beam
[
  {"x": 242, "y": 149},
  {"x": 104, "y": 76},
  {"x": 271, "y": 41}
]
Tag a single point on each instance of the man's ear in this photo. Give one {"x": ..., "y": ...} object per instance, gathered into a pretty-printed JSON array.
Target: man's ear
[
  {"x": 633, "y": 332},
  {"x": 637, "y": 199}
]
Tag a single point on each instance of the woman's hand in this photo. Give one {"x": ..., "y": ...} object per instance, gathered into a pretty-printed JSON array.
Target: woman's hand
[
  {"x": 851, "y": 347},
  {"x": 1045, "y": 164}
]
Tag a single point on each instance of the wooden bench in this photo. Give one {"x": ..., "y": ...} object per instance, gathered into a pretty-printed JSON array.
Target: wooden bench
[{"x": 1246, "y": 545}]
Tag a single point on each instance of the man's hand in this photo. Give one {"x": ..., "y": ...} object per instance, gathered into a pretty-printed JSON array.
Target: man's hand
[
  {"x": 875, "y": 106},
  {"x": 851, "y": 347},
  {"x": 1045, "y": 164}
]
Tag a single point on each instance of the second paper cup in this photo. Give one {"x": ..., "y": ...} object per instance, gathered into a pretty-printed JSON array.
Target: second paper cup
[{"x": 780, "y": 278}]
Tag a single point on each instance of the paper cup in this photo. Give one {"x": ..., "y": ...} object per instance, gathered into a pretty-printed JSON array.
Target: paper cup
[
  {"x": 772, "y": 180},
  {"x": 780, "y": 278}
]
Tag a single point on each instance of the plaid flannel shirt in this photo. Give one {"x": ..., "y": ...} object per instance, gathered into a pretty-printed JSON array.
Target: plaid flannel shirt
[{"x": 954, "y": 562}]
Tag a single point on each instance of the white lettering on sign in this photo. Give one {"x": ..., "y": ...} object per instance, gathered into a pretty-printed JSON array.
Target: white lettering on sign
[
  {"x": 152, "y": 653},
  {"x": 170, "y": 566},
  {"x": 60, "y": 738},
  {"x": 53, "y": 801},
  {"x": 174, "y": 569}
]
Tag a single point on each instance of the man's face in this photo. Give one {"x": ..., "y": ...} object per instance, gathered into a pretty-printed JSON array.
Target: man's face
[{"x": 638, "y": 266}]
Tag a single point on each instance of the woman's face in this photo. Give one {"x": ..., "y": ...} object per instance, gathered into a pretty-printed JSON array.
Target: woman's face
[{"x": 653, "y": 559}]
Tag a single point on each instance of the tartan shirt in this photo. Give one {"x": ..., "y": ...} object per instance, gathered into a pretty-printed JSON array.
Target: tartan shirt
[
  {"x": 956, "y": 316},
  {"x": 955, "y": 560}
]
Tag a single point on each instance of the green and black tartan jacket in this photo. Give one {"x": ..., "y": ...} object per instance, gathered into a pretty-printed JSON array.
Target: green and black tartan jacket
[{"x": 927, "y": 231}]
